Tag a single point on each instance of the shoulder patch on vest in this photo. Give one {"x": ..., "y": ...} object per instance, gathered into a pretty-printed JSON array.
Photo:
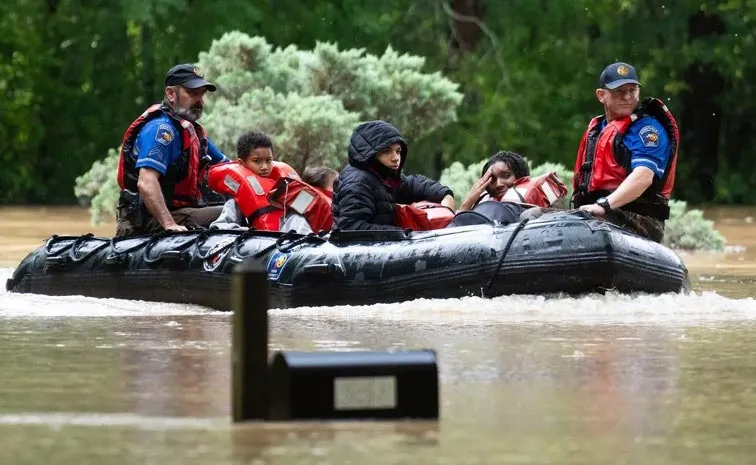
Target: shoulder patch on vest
[
  {"x": 649, "y": 136},
  {"x": 165, "y": 134}
]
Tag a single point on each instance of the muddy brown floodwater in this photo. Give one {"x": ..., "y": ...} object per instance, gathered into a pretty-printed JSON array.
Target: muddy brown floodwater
[{"x": 598, "y": 379}]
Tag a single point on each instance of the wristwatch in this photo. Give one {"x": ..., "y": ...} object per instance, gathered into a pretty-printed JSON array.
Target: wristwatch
[{"x": 603, "y": 202}]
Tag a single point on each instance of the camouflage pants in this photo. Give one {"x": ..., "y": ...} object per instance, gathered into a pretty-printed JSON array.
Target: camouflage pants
[
  {"x": 192, "y": 218},
  {"x": 644, "y": 226}
]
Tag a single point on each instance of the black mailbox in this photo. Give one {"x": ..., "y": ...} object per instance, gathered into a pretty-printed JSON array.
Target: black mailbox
[{"x": 351, "y": 385}]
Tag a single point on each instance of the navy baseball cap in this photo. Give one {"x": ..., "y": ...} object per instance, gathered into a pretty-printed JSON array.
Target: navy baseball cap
[
  {"x": 618, "y": 74},
  {"x": 187, "y": 75}
]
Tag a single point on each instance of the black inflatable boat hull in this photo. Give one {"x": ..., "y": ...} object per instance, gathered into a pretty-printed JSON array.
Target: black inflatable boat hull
[{"x": 558, "y": 253}]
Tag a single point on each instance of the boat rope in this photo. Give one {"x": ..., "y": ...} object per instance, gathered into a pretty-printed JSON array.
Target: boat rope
[
  {"x": 55, "y": 238},
  {"x": 67, "y": 254},
  {"x": 77, "y": 244},
  {"x": 282, "y": 247},
  {"x": 178, "y": 252},
  {"x": 512, "y": 236},
  {"x": 239, "y": 239}
]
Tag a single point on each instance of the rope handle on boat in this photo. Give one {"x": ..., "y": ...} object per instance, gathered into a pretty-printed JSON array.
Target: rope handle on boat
[
  {"x": 68, "y": 253},
  {"x": 516, "y": 231},
  {"x": 279, "y": 244},
  {"x": 55, "y": 237},
  {"x": 234, "y": 243},
  {"x": 177, "y": 253},
  {"x": 116, "y": 256}
]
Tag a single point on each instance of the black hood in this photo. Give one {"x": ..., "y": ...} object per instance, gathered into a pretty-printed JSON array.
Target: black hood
[{"x": 372, "y": 137}]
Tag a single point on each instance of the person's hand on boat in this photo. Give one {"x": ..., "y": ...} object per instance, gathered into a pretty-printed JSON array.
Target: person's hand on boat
[
  {"x": 175, "y": 227},
  {"x": 477, "y": 190},
  {"x": 593, "y": 209}
]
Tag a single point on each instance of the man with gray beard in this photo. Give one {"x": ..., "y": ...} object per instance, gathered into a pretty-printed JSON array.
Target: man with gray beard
[{"x": 164, "y": 156}]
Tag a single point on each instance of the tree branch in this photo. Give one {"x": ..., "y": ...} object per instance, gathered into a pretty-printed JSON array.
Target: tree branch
[{"x": 491, "y": 37}]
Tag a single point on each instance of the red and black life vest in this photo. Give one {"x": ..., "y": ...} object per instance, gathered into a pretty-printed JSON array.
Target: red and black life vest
[
  {"x": 263, "y": 200},
  {"x": 540, "y": 191},
  {"x": 603, "y": 161},
  {"x": 180, "y": 184},
  {"x": 309, "y": 201}
]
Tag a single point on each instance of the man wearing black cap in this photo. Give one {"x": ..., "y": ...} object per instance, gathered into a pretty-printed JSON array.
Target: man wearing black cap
[
  {"x": 163, "y": 156},
  {"x": 625, "y": 167}
]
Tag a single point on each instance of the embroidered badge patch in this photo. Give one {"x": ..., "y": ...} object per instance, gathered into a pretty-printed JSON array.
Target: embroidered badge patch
[
  {"x": 649, "y": 136},
  {"x": 164, "y": 134}
]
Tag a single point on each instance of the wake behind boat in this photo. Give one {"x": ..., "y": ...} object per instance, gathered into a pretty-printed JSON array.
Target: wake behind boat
[{"x": 562, "y": 252}]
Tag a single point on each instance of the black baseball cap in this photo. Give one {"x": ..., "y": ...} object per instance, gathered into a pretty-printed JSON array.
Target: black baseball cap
[
  {"x": 618, "y": 74},
  {"x": 187, "y": 75}
]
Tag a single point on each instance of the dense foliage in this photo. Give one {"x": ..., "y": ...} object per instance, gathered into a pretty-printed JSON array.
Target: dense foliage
[{"x": 74, "y": 73}]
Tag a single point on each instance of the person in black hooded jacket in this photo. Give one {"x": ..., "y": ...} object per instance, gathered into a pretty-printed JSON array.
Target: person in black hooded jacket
[{"x": 369, "y": 187}]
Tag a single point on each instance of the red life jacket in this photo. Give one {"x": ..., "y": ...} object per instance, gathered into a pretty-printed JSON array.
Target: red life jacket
[
  {"x": 312, "y": 203},
  {"x": 325, "y": 192},
  {"x": 541, "y": 191},
  {"x": 180, "y": 184},
  {"x": 603, "y": 161},
  {"x": 422, "y": 216},
  {"x": 282, "y": 170},
  {"x": 250, "y": 192}
]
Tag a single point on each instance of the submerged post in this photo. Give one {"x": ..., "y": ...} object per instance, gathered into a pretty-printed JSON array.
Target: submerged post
[{"x": 249, "y": 288}]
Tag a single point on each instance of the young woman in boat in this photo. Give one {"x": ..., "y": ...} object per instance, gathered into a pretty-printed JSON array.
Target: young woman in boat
[
  {"x": 266, "y": 194},
  {"x": 505, "y": 179},
  {"x": 369, "y": 188}
]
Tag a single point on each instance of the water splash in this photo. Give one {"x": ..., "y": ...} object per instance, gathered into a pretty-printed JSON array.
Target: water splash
[
  {"x": 589, "y": 309},
  {"x": 610, "y": 308},
  {"x": 12, "y": 305}
]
